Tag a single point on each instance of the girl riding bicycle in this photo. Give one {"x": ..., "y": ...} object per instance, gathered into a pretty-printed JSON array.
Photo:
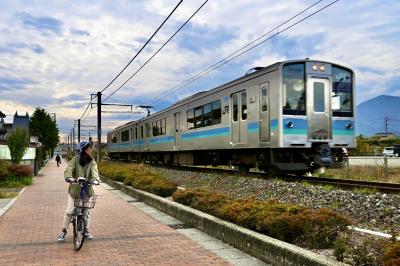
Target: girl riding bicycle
[{"x": 81, "y": 165}]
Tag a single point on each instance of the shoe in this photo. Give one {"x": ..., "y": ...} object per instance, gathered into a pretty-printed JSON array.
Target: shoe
[
  {"x": 88, "y": 236},
  {"x": 62, "y": 236}
]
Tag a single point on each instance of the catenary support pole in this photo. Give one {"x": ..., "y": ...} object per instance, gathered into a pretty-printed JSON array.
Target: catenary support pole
[
  {"x": 98, "y": 126},
  {"x": 79, "y": 130}
]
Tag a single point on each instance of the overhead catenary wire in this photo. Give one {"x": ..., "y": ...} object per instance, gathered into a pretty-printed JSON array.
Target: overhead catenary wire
[
  {"x": 231, "y": 57},
  {"x": 165, "y": 43},
  {"x": 147, "y": 42},
  {"x": 141, "y": 49}
]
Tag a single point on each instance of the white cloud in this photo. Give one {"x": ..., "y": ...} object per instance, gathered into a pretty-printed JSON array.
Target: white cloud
[{"x": 360, "y": 34}]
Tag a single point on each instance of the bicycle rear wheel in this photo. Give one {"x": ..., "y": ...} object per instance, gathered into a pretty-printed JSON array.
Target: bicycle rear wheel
[{"x": 79, "y": 232}]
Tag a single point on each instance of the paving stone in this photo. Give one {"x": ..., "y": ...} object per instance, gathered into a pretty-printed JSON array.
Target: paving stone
[{"x": 123, "y": 234}]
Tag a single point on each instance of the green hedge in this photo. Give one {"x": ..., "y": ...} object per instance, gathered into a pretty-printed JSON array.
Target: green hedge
[
  {"x": 137, "y": 176},
  {"x": 291, "y": 223}
]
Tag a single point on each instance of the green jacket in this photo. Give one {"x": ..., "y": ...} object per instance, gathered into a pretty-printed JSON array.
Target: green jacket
[{"x": 75, "y": 170}]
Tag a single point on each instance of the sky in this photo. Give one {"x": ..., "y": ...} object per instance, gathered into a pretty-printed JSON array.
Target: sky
[{"x": 55, "y": 54}]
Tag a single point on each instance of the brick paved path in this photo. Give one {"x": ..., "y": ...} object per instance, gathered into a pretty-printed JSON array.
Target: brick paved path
[{"x": 123, "y": 235}]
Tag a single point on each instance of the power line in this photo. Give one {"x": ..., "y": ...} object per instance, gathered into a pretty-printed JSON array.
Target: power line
[
  {"x": 180, "y": 2},
  {"x": 148, "y": 60},
  {"x": 144, "y": 45},
  {"x": 231, "y": 57}
]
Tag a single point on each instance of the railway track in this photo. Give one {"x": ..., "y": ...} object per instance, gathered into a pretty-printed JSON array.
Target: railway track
[{"x": 342, "y": 183}]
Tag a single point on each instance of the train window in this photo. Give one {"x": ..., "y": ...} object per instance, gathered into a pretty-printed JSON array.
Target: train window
[
  {"x": 155, "y": 129},
  {"x": 235, "y": 107},
  {"x": 141, "y": 132},
  {"x": 198, "y": 117},
  {"x": 190, "y": 118},
  {"x": 114, "y": 139},
  {"x": 293, "y": 86},
  {"x": 125, "y": 135},
  {"x": 319, "y": 97},
  {"x": 136, "y": 134},
  {"x": 244, "y": 105},
  {"x": 147, "y": 125},
  {"x": 216, "y": 112},
  {"x": 342, "y": 92},
  {"x": 159, "y": 127},
  {"x": 163, "y": 125},
  {"x": 207, "y": 116},
  {"x": 264, "y": 99}
]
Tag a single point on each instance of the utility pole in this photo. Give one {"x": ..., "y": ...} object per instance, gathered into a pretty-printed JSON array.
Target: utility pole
[
  {"x": 98, "y": 126},
  {"x": 79, "y": 130},
  {"x": 68, "y": 141},
  {"x": 386, "y": 126},
  {"x": 73, "y": 135}
]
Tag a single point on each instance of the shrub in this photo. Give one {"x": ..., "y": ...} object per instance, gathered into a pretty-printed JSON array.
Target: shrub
[
  {"x": 391, "y": 255},
  {"x": 138, "y": 176},
  {"x": 3, "y": 170},
  {"x": 290, "y": 223},
  {"x": 340, "y": 248},
  {"x": 20, "y": 170}
]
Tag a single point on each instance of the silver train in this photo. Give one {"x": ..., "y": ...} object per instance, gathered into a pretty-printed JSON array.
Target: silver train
[{"x": 290, "y": 117}]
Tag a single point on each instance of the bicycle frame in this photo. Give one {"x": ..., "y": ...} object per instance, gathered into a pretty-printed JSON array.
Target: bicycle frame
[{"x": 81, "y": 213}]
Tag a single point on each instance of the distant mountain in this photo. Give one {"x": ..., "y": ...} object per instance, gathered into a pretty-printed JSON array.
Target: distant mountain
[{"x": 371, "y": 114}]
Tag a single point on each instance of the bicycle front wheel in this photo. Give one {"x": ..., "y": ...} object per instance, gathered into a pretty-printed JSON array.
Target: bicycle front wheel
[{"x": 79, "y": 232}]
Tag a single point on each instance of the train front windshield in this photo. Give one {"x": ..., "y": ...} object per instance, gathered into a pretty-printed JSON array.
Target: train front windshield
[
  {"x": 342, "y": 92},
  {"x": 294, "y": 90}
]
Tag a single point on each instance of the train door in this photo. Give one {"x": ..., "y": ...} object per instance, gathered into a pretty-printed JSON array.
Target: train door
[
  {"x": 264, "y": 112},
  {"x": 147, "y": 136},
  {"x": 318, "y": 109},
  {"x": 239, "y": 118},
  {"x": 177, "y": 127}
]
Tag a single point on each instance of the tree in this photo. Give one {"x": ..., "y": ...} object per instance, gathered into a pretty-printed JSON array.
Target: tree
[
  {"x": 42, "y": 125},
  {"x": 18, "y": 142}
]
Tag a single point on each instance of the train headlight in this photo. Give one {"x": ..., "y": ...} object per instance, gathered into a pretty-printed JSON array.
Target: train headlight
[
  {"x": 322, "y": 68},
  {"x": 349, "y": 126},
  {"x": 315, "y": 67},
  {"x": 290, "y": 124}
]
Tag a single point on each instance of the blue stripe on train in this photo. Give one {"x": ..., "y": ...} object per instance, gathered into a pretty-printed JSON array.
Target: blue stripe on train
[
  {"x": 161, "y": 140},
  {"x": 253, "y": 127},
  {"x": 215, "y": 132},
  {"x": 300, "y": 126},
  {"x": 340, "y": 127}
]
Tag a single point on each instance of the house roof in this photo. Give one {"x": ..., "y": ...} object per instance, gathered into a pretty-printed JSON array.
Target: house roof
[{"x": 21, "y": 121}]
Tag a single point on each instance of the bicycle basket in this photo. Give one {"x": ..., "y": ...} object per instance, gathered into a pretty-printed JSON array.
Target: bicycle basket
[{"x": 85, "y": 202}]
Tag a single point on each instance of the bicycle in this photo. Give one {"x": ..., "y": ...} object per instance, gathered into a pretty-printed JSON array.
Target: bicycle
[{"x": 81, "y": 211}]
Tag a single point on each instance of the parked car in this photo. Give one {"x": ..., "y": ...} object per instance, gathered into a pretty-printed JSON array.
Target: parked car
[
  {"x": 388, "y": 151},
  {"x": 396, "y": 150}
]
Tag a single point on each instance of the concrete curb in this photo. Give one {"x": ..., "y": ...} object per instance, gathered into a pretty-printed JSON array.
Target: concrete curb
[
  {"x": 265, "y": 248},
  {"x": 3, "y": 210}
]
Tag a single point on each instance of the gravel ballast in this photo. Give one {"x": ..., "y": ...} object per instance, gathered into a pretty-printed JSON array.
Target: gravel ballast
[{"x": 375, "y": 210}]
